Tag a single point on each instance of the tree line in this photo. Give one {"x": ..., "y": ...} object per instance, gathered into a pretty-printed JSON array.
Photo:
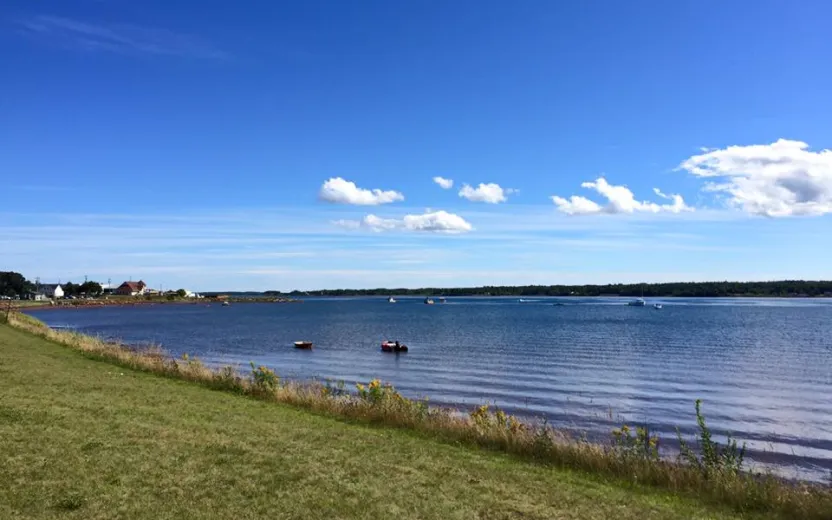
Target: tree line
[
  {"x": 783, "y": 288},
  {"x": 14, "y": 284}
]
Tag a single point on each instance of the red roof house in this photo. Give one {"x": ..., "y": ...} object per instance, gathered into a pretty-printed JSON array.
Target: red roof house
[{"x": 132, "y": 288}]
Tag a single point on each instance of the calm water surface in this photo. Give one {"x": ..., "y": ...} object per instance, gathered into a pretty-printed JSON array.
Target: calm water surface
[{"x": 762, "y": 367}]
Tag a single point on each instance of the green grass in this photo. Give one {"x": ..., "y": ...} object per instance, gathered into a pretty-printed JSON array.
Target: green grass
[{"x": 87, "y": 439}]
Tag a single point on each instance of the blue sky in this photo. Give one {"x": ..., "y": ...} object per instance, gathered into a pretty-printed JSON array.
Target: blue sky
[{"x": 212, "y": 146}]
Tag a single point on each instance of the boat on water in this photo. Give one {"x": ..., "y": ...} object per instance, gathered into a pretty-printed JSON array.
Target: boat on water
[
  {"x": 429, "y": 301},
  {"x": 657, "y": 305},
  {"x": 638, "y": 302},
  {"x": 393, "y": 346},
  {"x": 226, "y": 304},
  {"x": 391, "y": 300},
  {"x": 303, "y": 344},
  {"x": 443, "y": 300}
]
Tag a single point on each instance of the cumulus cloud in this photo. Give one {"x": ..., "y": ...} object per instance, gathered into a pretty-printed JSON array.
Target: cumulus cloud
[
  {"x": 619, "y": 200},
  {"x": 490, "y": 193},
  {"x": 340, "y": 191},
  {"x": 444, "y": 183},
  {"x": 779, "y": 179},
  {"x": 429, "y": 222}
]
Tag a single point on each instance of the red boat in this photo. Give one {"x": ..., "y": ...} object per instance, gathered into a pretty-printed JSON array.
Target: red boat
[
  {"x": 303, "y": 344},
  {"x": 393, "y": 346}
]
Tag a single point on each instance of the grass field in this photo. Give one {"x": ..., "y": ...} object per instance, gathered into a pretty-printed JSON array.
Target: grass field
[{"x": 86, "y": 439}]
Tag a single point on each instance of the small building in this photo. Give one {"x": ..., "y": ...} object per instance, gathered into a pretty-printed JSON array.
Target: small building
[
  {"x": 132, "y": 288},
  {"x": 49, "y": 290}
]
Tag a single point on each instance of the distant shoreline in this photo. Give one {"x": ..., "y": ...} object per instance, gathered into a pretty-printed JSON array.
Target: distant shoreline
[
  {"x": 210, "y": 302},
  {"x": 767, "y": 289},
  {"x": 97, "y": 303}
]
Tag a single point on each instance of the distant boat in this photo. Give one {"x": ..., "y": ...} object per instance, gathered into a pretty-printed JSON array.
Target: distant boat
[
  {"x": 429, "y": 301},
  {"x": 303, "y": 344},
  {"x": 393, "y": 346},
  {"x": 657, "y": 305},
  {"x": 638, "y": 302},
  {"x": 443, "y": 300},
  {"x": 391, "y": 300},
  {"x": 226, "y": 304}
]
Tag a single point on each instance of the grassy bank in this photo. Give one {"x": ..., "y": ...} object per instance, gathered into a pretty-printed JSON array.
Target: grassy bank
[{"x": 402, "y": 464}]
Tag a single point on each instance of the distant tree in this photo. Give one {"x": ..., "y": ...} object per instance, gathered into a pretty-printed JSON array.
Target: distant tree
[
  {"x": 90, "y": 288},
  {"x": 70, "y": 289},
  {"x": 14, "y": 284},
  {"x": 181, "y": 293}
]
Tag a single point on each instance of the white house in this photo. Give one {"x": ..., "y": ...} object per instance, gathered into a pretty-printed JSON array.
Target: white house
[{"x": 50, "y": 290}]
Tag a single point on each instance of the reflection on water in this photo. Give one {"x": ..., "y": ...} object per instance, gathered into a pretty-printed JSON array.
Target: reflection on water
[{"x": 763, "y": 367}]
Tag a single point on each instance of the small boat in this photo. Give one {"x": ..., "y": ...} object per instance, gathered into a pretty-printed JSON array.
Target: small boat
[
  {"x": 303, "y": 344},
  {"x": 391, "y": 300},
  {"x": 638, "y": 302},
  {"x": 429, "y": 301},
  {"x": 226, "y": 304},
  {"x": 393, "y": 346},
  {"x": 443, "y": 300},
  {"x": 657, "y": 305}
]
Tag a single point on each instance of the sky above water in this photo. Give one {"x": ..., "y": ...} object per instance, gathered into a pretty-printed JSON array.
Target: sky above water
[{"x": 300, "y": 145}]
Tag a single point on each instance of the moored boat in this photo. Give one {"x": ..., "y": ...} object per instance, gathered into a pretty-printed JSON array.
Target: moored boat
[
  {"x": 638, "y": 302},
  {"x": 393, "y": 346},
  {"x": 303, "y": 344},
  {"x": 657, "y": 305},
  {"x": 226, "y": 303},
  {"x": 391, "y": 300},
  {"x": 429, "y": 301}
]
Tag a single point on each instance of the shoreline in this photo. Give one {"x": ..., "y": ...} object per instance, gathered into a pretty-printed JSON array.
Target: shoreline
[
  {"x": 97, "y": 303},
  {"x": 631, "y": 455}
]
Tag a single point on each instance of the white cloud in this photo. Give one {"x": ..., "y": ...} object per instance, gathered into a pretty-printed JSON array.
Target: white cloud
[
  {"x": 490, "y": 193},
  {"x": 576, "y": 205},
  {"x": 121, "y": 38},
  {"x": 678, "y": 205},
  {"x": 444, "y": 183},
  {"x": 340, "y": 191},
  {"x": 776, "y": 180},
  {"x": 619, "y": 200},
  {"x": 430, "y": 222}
]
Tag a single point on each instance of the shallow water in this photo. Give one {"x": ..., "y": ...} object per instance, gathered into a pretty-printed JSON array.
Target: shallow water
[{"x": 763, "y": 367}]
